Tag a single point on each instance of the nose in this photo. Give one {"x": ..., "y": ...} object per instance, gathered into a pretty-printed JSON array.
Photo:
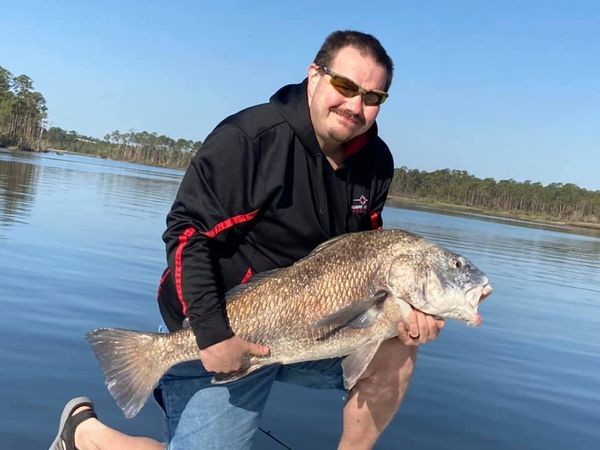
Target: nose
[{"x": 355, "y": 104}]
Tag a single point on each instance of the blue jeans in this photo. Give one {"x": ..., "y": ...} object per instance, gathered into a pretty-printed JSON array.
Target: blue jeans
[{"x": 201, "y": 415}]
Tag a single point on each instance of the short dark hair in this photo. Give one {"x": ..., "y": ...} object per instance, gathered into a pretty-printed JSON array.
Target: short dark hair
[{"x": 364, "y": 43}]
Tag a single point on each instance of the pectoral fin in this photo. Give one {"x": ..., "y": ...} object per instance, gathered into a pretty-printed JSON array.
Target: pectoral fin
[
  {"x": 356, "y": 363},
  {"x": 357, "y": 315}
]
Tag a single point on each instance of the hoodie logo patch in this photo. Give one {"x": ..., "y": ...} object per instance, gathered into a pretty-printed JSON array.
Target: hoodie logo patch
[{"x": 360, "y": 205}]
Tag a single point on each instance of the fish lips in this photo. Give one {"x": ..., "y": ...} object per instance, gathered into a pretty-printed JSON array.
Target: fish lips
[
  {"x": 486, "y": 292},
  {"x": 475, "y": 296}
]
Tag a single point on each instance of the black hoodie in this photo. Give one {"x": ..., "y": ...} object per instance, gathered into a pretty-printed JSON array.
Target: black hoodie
[{"x": 260, "y": 194}]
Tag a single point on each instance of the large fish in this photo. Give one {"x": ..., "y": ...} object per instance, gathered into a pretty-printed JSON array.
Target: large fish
[{"x": 343, "y": 299}]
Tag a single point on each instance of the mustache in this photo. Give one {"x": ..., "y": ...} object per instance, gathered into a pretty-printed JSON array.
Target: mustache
[{"x": 349, "y": 115}]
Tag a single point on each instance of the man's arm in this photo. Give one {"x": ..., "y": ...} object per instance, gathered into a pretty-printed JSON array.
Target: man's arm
[{"x": 219, "y": 192}]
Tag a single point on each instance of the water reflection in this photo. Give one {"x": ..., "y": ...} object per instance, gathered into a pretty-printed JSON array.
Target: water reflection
[
  {"x": 17, "y": 191},
  {"x": 129, "y": 190}
]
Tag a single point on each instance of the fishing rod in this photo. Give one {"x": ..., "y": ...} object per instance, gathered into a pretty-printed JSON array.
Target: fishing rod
[{"x": 268, "y": 433}]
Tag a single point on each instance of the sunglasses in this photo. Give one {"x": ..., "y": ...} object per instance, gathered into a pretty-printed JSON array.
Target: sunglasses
[{"x": 349, "y": 88}]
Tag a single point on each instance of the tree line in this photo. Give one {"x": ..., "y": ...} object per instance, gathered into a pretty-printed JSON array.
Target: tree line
[
  {"x": 141, "y": 147},
  {"x": 23, "y": 112},
  {"x": 556, "y": 201}
]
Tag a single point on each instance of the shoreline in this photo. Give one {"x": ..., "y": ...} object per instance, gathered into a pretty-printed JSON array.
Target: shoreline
[
  {"x": 394, "y": 200},
  {"x": 59, "y": 152}
]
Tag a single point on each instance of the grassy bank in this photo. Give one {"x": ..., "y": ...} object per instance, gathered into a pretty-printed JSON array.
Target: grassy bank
[{"x": 438, "y": 206}]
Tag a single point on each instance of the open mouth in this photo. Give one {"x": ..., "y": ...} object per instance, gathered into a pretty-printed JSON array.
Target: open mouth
[
  {"x": 486, "y": 292},
  {"x": 476, "y": 320},
  {"x": 478, "y": 294}
]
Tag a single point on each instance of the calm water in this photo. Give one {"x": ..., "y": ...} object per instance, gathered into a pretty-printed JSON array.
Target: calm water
[{"x": 80, "y": 248}]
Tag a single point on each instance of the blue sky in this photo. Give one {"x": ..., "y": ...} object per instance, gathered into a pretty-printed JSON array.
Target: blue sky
[{"x": 505, "y": 89}]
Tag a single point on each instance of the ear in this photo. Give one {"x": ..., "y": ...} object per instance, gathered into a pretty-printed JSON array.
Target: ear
[{"x": 313, "y": 79}]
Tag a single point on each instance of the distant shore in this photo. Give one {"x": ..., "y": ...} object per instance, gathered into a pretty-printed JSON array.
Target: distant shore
[
  {"x": 466, "y": 210},
  {"x": 426, "y": 204}
]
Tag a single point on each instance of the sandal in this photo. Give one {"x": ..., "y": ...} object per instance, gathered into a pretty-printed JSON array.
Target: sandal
[{"x": 65, "y": 438}]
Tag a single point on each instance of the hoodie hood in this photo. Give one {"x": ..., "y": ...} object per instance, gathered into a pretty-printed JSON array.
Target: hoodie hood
[{"x": 292, "y": 103}]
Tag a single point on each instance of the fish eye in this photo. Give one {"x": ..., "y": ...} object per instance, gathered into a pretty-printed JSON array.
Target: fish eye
[{"x": 456, "y": 263}]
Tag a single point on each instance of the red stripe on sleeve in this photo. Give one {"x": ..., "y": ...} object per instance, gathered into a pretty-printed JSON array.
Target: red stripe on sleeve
[
  {"x": 183, "y": 240},
  {"x": 248, "y": 275},
  {"x": 228, "y": 223},
  {"x": 375, "y": 220},
  {"x": 162, "y": 280}
]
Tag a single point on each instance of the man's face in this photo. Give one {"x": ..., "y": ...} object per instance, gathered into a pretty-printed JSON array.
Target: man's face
[{"x": 335, "y": 118}]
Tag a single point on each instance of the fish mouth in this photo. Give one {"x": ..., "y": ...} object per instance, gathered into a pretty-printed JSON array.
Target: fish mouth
[
  {"x": 486, "y": 291},
  {"x": 477, "y": 294},
  {"x": 475, "y": 321}
]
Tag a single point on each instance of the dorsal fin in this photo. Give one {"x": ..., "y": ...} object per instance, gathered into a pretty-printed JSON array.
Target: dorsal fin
[
  {"x": 256, "y": 278},
  {"x": 327, "y": 243}
]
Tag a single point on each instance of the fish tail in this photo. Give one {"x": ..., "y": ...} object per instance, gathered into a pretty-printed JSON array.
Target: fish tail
[{"x": 131, "y": 371}]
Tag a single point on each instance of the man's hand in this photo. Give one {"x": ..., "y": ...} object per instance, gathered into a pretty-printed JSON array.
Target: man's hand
[
  {"x": 419, "y": 329},
  {"x": 228, "y": 355}
]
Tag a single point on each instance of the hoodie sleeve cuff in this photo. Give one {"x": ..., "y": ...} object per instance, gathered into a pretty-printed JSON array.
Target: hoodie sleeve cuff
[{"x": 211, "y": 330}]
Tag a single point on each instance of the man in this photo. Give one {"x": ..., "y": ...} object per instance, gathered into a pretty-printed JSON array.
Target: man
[{"x": 269, "y": 184}]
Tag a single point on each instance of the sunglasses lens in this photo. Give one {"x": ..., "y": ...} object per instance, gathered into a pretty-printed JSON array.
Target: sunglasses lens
[
  {"x": 373, "y": 98},
  {"x": 344, "y": 86}
]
